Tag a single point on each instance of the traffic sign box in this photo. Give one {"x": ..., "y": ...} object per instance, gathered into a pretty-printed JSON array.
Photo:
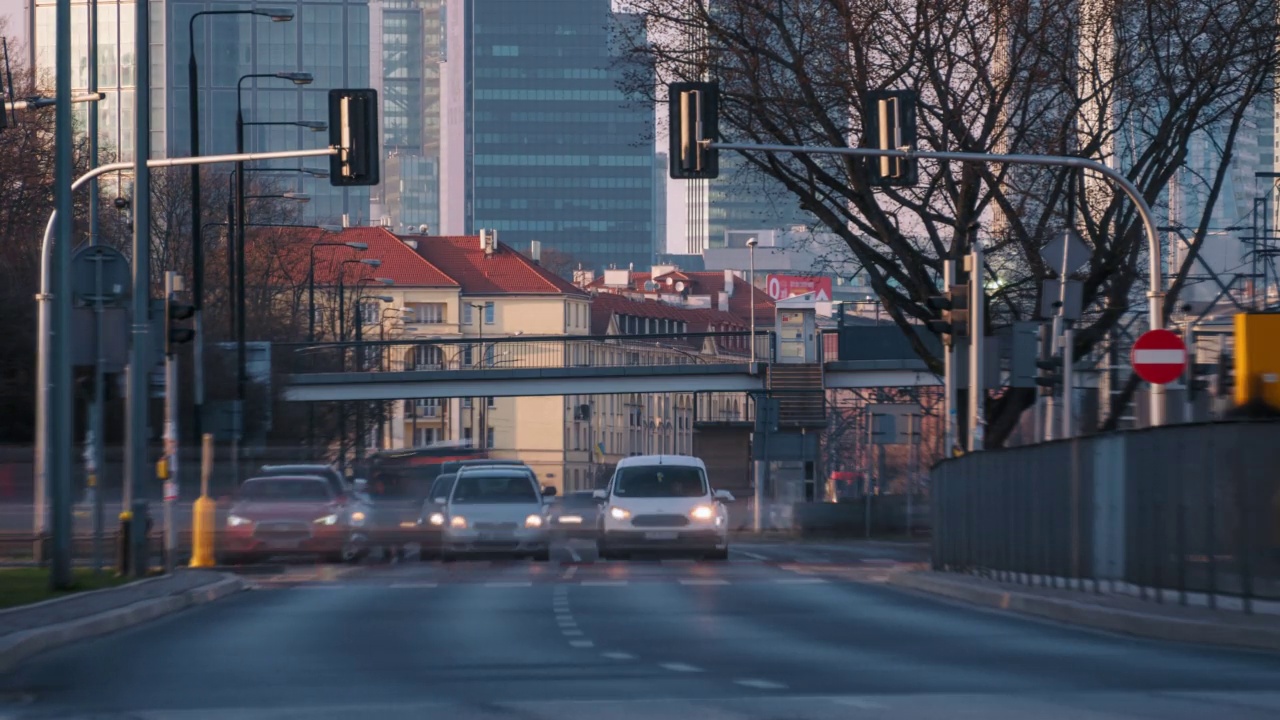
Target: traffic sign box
[{"x": 1159, "y": 357}]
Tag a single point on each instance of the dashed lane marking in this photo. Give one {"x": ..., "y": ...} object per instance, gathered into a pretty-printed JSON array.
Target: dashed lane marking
[
  {"x": 703, "y": 581},
  {"x": 581, "y": 643},
  {"x": 753, "y": 556},
  {"x": 618, "y": 656},
  {"x": 760, "y": 684},
  {"x": 680, "y": 667},
  {"x": 859, "y": 703}
]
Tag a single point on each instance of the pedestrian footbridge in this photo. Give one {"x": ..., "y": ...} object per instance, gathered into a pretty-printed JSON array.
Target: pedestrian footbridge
[{"x": 589, "y": 365}]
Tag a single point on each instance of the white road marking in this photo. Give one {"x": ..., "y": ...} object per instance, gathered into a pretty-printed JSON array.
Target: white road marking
[
  {"x": 526, "y": 583},
  {"x": 581, "y": 643},
  {"x": 761, "y": 684},
  {"x": 680, "y": 667},
  {"x": 618, "y": 656},
  {"x": 703, "y": 581},
  {"x": 603, "y": 583},
  {"x": 858, "y": 703},
  {"x": 753, "y": 556},
  {"x": 800, "y": 581}
]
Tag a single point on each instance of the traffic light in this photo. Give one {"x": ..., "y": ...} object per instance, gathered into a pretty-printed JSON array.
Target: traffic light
[
  {"x": 176, "y": 333},
  {"x": 694, "y": 114},
  {"x": 1198, "y": 375},
  {"x": 953, "y": 321},
  {"x": 1052, "y": 375},
  {"x": 353, "y": 128},
  {"x": 889, "y": 123}
]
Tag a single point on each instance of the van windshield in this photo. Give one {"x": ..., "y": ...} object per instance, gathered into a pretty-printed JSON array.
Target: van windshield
[{"x": 657, "y": 481}]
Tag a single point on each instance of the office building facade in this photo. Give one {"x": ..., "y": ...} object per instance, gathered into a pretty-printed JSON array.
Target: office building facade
[{"x": 538, "y": 142}]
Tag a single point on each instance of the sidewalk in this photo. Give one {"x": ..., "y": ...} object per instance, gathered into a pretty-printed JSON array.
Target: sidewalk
[
  {"x": 30, "y": 629},
  {"x": 1119, "y": 612}
]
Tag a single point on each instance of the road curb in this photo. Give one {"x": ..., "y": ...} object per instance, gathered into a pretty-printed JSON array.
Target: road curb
[
  {"x": 16, "y": 647},
  {"x": 1118, "y": 620}
]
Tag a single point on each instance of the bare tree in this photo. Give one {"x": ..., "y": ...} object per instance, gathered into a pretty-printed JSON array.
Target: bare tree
[{"x": 1131, "y": 83}]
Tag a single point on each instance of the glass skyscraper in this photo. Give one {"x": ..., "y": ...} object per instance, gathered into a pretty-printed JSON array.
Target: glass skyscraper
[
  {"x": 538, "y": 142},
  {"x": 330, "y": 40}
]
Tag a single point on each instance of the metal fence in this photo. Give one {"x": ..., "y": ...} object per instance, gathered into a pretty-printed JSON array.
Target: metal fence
[
  {"x": 517, "y": 352},
  {"x": 1180, "y": 509}
]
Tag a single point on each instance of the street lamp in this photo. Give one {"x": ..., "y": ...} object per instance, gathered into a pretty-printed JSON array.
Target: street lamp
[
  {"x": 342, "y": 320},
  {"x": 197, "y": 250},
  {"x": 311, "y": 280}
]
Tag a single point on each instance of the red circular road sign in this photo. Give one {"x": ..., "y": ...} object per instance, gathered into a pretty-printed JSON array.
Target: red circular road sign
[{"x": 1159, "y": 357}]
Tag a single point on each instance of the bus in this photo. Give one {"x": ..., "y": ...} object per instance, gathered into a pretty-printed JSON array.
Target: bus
[{"x": 417, "y": 467}]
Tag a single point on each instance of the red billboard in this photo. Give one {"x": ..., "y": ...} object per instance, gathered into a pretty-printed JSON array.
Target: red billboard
[{"x": 781, "y": 287}]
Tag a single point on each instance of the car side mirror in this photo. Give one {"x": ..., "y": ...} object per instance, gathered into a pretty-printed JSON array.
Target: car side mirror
[
  {"x": 549, "y": 491},
  {"x": 600, "y": 495},
  {"x": 723, "y": 496}
]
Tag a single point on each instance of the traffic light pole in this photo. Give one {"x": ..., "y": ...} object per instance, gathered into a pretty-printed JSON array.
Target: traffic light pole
[
  {"x": 172, "y": 285},
  {"x": 949, "y": 372},
  {"x": 1155, "y": 291},
  {"x": 977, "y": 328}
]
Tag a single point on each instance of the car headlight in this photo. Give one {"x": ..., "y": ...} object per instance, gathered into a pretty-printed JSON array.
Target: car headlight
[
  {"x": 436, "y": 519},
  {"x": 237, "y": 521},
  {"x": 618, "y": 513},
  {"x": 533, "y": 521},
  {"x": 327, "y": 520},
  {"x": 357, "y": 518},
  {"x": 703, "y": 512},
  {"x": 457, "y": 521}
]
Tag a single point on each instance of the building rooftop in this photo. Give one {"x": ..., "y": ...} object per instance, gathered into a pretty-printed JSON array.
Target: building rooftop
[{"x": 502, "y": 271}]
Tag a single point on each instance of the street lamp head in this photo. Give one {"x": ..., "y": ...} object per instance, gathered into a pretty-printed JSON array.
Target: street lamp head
[
  {"x": 357, "y": 245},
  {"x": 332, "y": 229},
  {"x": 297, "y": 78},
  {"x": 372, "y": 262},
  {"x": 314, "y": 126},
  {"x": 752, "y": 242},
  {"x": 385, "y": 298},
  {"x": 385, "y": 281},
  {"x": 276, "y": 14}
]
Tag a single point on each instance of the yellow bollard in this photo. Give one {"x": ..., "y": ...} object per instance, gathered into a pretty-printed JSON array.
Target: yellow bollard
[{"x": 204, "y": 512}]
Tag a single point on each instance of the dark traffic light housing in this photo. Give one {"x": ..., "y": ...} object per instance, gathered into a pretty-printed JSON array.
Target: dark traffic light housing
[
  {"x": 694, "y": 114},
  {"x": 176, "y": 333},
  {"x": 953, "y": 307},
  {"x": 889, "y": 123},
  {"x": 353, "y": 129}
]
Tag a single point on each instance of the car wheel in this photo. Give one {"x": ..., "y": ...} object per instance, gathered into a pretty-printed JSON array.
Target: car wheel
[{"x": 719, "y": 555}]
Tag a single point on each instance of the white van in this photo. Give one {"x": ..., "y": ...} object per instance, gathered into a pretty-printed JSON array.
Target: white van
[{"x": 663, "y": 503}]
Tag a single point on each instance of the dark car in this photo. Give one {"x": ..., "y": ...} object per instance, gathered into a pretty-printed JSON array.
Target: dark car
[
  {"x": 431, "y": 533},
  {"x": 293, "y": 515},
  {"x": 395, "y": 505},
  {"x": 335, "y": 479},
  {"x": 575, "y": 515}
]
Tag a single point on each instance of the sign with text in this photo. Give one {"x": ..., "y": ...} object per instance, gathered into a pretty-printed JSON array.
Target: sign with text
[{"x": 781, "y": 287}]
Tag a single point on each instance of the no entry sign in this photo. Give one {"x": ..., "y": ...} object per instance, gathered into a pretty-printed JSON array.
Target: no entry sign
[{"x": 1159, "y": 357}]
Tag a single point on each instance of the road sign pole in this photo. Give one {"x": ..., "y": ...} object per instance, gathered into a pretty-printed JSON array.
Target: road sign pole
[
  {"x": 172, "y": 284},
  {"x": 1068, "y": 381},
  {"x": 1159, "y": 357}
]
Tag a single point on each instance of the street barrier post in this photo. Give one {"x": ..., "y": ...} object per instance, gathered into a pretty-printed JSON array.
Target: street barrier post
[{"x": 203, "y": 512}]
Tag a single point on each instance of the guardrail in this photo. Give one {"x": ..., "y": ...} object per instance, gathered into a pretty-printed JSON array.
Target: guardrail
[
  {"x": 1184, "y": 508},
  {"x": 519, "y": 352}
]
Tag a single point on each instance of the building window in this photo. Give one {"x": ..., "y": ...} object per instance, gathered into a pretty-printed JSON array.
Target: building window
[
  {"x": 488, "y": 438},
  {"x": 466, "y": 434},
  {"x": 426, "y": 407},
  {"x": 371, "y": 312},
  {"x": 466, "y": 402},
  {"x": 424, "y": 436},
  {"x": 493, "y": 402},
  {"x": 468, "y": 315},
  {"x": 426, "y": 313},
  {"x": 488, "y": 313}
]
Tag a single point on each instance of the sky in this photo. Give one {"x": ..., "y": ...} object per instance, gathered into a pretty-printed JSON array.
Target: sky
[{"x": 14, "y": 12}]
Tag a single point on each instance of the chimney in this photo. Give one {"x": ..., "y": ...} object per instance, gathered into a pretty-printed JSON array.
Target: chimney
[
  {"x": 583, "y": 278},
  {"x": 535, "y": 250},
  {"x": 723, "y": 304},
  {"x": 488, "y": 241},
  {"x": 346, "y": 220},
  {"x": 728, "y": 282}
]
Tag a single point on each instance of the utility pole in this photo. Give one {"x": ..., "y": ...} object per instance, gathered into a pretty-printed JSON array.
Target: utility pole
[
  {"x": 172, "y": 286},
  {"x": 950, "y": 365},
  {"x": 140, "y": 351},
  {"x": 977, "y": 308}
]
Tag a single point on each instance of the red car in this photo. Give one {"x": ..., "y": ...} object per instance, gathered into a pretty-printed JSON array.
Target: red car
[{"x": 293, "y": 515}]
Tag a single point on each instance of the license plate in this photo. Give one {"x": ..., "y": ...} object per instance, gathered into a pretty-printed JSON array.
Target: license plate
[
  {"x": 661, "y": 535},
  {"x": 493, "y": 536}
]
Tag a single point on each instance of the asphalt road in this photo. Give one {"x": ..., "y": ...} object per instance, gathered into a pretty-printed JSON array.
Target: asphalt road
[{"x": 781, "y": 631}]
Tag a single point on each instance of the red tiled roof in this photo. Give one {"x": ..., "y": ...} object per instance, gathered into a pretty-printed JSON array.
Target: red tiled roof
[
  {"x": 706, "y": 283},
  {"x": 399, "y": 263},
  {"x": 605, "y": 305},
  {"x": 505, "y": 271}
]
